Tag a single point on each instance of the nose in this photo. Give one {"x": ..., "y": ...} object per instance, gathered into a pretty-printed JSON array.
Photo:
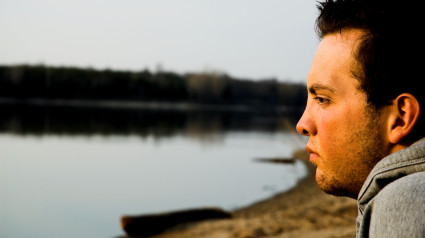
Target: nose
[{"x": 305, "y": 125}]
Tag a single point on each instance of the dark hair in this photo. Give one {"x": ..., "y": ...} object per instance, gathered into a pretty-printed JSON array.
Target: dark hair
[{"x": 391, "y": 53}]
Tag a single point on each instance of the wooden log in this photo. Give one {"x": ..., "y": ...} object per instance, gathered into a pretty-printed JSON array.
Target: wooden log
[
  {"x": 153, "y": 224},
  {"x": 276, "y": 160}
]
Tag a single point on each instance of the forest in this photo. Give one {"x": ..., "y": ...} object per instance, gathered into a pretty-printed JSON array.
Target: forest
[{"x": 23, "y": 82}]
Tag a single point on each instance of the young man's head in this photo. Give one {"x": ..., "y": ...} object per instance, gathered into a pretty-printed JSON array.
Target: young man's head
[{"x": 364, "y": 90}]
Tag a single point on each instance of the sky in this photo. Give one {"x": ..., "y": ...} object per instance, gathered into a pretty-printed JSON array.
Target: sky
[{"x": 250, "y": 39}]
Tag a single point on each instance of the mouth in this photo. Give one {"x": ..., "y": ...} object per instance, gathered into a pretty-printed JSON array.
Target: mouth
[{"x": 313, "y": 154}]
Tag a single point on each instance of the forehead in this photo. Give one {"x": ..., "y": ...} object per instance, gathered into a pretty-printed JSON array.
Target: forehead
[{"x": 334, "y": 61}]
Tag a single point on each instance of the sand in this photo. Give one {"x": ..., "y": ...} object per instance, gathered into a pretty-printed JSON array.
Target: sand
[{"x": 304, "y": 211}]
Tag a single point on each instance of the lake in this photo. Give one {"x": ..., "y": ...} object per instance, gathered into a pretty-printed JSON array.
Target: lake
[{"x": 73, "y": 172}]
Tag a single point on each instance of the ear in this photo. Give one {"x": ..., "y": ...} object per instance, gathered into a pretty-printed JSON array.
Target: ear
[{"x": 404, "y": 113}]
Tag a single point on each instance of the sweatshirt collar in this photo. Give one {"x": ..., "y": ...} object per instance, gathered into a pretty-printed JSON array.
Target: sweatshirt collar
[{"x": 401, "y": 163}]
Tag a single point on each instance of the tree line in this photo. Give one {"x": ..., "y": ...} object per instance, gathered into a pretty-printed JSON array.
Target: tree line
[{"x": 40, "y": 81}]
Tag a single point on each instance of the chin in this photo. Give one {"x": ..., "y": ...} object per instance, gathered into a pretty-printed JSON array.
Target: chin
[{"x": 332, "y": 187}]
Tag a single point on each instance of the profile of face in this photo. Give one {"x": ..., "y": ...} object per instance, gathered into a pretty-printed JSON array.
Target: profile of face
[{"x": 346, "y": 137}]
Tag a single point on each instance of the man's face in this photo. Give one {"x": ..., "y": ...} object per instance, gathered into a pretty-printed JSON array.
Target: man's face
[{"x": 346, "y": 137}]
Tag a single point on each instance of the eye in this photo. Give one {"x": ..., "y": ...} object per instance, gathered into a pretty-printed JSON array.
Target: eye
[{"x": 321, "y": 100}]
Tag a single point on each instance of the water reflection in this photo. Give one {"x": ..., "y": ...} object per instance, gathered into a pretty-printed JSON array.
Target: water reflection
[{"x": 42, "y": 120}]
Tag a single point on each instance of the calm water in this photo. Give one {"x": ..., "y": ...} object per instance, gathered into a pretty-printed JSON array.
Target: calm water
[{"x": 73, "y": 173}]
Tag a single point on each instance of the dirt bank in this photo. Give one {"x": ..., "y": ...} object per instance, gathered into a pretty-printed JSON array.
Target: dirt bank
[{"x": 304, "y": 211}]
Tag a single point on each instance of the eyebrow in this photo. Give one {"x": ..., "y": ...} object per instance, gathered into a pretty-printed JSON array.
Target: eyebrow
[{"x": 315, "y": 87}]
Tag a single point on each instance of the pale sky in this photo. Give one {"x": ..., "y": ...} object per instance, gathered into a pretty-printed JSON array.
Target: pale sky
[{"x": 251, "y": 39}]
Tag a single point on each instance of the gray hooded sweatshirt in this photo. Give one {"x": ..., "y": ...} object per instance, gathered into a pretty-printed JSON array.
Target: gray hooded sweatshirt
[{"x": 391, "y": 202}]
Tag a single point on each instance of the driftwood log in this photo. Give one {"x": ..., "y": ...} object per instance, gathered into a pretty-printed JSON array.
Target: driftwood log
[
  {"x": 153, "y": 224},
  {"x": 276, "y": 160}
]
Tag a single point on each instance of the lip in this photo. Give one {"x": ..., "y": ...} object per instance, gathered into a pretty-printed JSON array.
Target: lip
[{"x": 313, "y": 154}]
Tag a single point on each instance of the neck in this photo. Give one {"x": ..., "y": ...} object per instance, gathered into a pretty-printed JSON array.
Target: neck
[{"x": 398, "y": 147}]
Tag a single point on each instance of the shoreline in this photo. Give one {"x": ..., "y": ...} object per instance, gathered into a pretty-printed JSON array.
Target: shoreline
[
  {"x": 146, "y": 105},
  {"x": 303, "y": 211}
]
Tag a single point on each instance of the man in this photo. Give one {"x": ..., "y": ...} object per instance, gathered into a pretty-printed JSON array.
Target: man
[{"x": 364, "y": 114}]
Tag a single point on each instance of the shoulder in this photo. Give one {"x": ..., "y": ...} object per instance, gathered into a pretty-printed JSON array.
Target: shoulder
[
  {"x": 400, "y": 207},
  {"x": 407, "y": 188}
]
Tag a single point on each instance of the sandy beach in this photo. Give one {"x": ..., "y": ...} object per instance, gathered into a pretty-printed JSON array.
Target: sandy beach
[{"x": 304, "y": 211}]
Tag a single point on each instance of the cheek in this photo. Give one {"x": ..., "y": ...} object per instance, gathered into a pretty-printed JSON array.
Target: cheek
[
  {"x": 330, "y": 125},
  {"x": 335, "y": 130}
]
